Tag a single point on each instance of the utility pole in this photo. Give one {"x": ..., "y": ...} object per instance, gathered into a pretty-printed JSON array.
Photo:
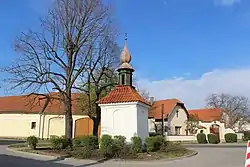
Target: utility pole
[{"x": 162, "y": 122}]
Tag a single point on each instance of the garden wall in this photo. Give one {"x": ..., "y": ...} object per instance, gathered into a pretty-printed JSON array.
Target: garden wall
[{"x": 181, "y": 138}]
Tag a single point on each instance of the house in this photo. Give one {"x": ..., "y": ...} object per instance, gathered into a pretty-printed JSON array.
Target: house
[
  {"x": 211, "y": 120},
  {"x": 21, "y": 116},
  {"x": 174, "y": 114}
]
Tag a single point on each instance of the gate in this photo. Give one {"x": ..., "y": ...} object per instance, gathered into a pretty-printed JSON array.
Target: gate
[{"x": 84, "y": 127}]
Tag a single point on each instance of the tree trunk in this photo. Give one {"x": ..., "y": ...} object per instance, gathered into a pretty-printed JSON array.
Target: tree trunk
[
  {"x": 68, "y": 118},
  {"x": 96, "y": 120}
]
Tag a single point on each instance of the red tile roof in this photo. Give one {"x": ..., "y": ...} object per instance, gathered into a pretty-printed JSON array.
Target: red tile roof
[
  {"x": 207, "y": 114},
  {"x": 30, "y": 104},
  {"x": 123, "y": 94},
  {"x": 169, "y": 104}
]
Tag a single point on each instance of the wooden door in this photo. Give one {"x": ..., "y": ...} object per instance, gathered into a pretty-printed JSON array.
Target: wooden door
[{"x": 84, "y": 127}]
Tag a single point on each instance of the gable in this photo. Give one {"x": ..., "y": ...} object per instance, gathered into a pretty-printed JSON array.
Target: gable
[
  {"x": 178, "y": 112},
  {"x": 169, "y": 105}
]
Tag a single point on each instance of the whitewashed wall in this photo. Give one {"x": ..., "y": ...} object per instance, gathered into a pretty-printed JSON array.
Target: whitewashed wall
[
  {"x": 179, "y": 120},
  {"x": 19, "y": 125},
  {"x": 181, "y": 138},
  {"x": 142, "y": 121},
  {"x": 222, "y": 129},
  {"x": 126, "y": 119}
]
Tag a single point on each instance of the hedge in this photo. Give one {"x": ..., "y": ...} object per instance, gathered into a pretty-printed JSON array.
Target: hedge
[
  {"x": 154, "y": 143},
  {"x": 201, "y": 138},
  {"x": 212, "y": 139},
  {"x": 231, "y": 138},
  {"x": 32, "y": 141}
]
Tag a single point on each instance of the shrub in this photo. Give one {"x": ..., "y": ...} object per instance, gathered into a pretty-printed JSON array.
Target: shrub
[
  {"x": 90, "y": 142},
  {"x": 106, "y": 146},
  {"x": 120, "y": 138},
  {"x": 201, "y": 138},
  {"x": 84, "y": 153},
  {"x": 32, "y": 141},
  {"x": 150, "y": 143},
  {"x": 212, "y": 138},
  {"x": 246, "y": 136},
  {"x": 119, "y": 146},
  {"x": 136, "y": 144},
  {"x": 154, "y": 143},
  {"x": 77, "y": 142},
  {"x": 152, "y": 134},
  {"x": 59, "y": 143},
  {"x": 173, "y": 147},
  {"x": 231, "y": 137}
]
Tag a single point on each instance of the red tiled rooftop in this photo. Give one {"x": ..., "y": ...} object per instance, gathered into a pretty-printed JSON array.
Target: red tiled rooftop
[
  {"x": 207, "y": 114},
  {"x": 29, "y": 104},
  {"x": 123, "y": 94},
  {"x": 169, "y": 104}
]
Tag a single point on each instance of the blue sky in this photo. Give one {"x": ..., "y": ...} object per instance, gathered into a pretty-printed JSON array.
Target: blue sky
[
  {"x": 174, "y": 37},
  {"x": 172, "y": 42}
]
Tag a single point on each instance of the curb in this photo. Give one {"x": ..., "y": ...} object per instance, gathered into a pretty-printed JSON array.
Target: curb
[
  {"x": 215, "y": 145},
  {"x": 58, "y": 158},
  {"x": 36, "y": 155},
  {"x": 155, "y": 161}
]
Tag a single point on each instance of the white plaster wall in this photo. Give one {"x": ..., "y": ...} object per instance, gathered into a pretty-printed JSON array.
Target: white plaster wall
[
  {"x": 142, "y": 121},
  {"x": 181, "y": 138},
  {"x": 123, "y": 119},
  {"x": 240, "y": 136},
  {"x": 222, "y": 128},
  {"x": 19, "y": 125},
  {"x": 178, "y": 121},
  {"x": 55, "y": 125},
  {"x": 151, "y": 125}
]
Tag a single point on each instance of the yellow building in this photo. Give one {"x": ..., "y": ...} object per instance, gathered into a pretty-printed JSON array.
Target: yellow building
[{"x": 21, "y": 116}]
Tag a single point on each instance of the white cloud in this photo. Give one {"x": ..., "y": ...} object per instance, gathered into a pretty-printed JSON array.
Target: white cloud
[
  {"x": 194, "y": 91},
  {"x": 226, "y": 2}
]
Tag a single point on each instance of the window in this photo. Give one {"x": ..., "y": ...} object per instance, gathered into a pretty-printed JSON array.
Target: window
[
  {"x": 33, "y": 125},
  {"x": 177, "y": 130},
  {"x": 177, "y": 113},
  {"x": 123, "y": 79}
]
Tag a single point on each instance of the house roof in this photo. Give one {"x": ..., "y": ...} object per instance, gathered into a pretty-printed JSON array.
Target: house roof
[
  {"x": 123, "y": 94},
  {"x": 34, "y": 104},
  {"x": 207, "y": 114},
  {"x": 169, "y": 104}
]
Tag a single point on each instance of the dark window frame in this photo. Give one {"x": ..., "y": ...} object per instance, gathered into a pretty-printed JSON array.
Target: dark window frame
[
  {"x": 33, "y": 125},
  {"x": 123, "y": 79}
]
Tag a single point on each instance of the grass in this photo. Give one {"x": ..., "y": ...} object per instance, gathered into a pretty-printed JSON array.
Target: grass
[
  {"x": 163, "y": 155},
  {"x": 45, "y": 149}
]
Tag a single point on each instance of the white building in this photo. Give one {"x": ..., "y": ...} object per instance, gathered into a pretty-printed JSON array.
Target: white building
[{"x": 123, "y": 111}]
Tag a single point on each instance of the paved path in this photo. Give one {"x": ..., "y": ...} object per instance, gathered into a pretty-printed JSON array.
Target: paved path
[{"x": 207, "y": 157}]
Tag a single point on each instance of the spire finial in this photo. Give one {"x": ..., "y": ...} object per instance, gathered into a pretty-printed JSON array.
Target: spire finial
[{"x": 126, "y": 38}]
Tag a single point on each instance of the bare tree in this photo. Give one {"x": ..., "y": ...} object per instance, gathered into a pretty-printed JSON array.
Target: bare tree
[
  {"x": 192, "y": 124},
  {"x": 53, "y": 58},
  {"x": 235, "y": 108},
  {"x": 141, "y": 90},
  {"x": 101, "y": 78}
]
